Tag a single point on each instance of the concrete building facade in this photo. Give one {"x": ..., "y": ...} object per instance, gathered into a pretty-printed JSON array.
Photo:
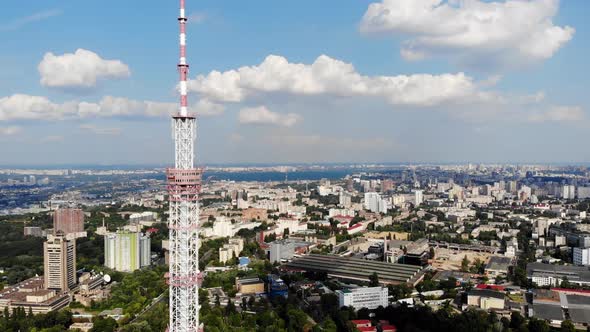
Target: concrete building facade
[
  {"x": 367, "y": 297},
  {"x": 59, "y": 262}
]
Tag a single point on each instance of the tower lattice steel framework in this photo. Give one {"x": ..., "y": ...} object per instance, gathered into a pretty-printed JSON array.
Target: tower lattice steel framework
[{"x": 184, "y": 186}]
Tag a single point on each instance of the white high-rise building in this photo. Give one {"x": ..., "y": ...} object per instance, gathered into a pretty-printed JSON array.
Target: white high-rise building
[
  {"x": 419, "y": 195},
  {"x": 126, "y": 251},
  {"x": 568, "y": 192},
  {"x": 372, "y": 201},
  {"x": 582, "y": 256},
  {"x": 366, "y": 297}
]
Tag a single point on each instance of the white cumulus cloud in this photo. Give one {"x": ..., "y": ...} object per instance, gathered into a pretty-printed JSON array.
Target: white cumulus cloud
[
  {"x": 205, "y": 107},
  {"x": 27, "y": 107},
  {"x": 332, "y": 77},
  {"x": 262, "y": 115},
  {"x": 80, "y": 70},
  {"x": 516, "y": 30}
]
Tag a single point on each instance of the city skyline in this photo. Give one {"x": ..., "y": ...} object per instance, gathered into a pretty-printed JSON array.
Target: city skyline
[{"x": 297, "y": 83}]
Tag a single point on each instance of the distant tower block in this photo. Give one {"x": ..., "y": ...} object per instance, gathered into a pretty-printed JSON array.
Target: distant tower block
[
  {"x": 68, "y": 221},
  {"x": 184, "y": 186}
]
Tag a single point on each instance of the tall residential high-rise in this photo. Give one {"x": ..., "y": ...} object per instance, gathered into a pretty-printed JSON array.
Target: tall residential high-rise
[
  {"x": 184, "y": 186},
  {"x": 568, "y": 192},
  {"x": 59, "y": 262},
  {"x": 419, "y": 197},
  {"x": 126, "y": 251},
  {"x": 68, "y": 221},
  {"x": 374, "y": 203},
  {"x": 345, "y": 199}
]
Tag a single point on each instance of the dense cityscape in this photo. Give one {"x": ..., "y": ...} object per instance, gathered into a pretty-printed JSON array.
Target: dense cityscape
[{"x": 461, "y": 246}]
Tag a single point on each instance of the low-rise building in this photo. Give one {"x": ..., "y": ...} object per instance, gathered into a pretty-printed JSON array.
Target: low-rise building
[
  {"x": 247, "y": 286},
  {"x": 552, "y": 275},
  {"x": 365, "y": 297},
  {"x": 498, "y": 266},
  {"x": 486, "y": 299},
  {"x": 31, "y": 295}
]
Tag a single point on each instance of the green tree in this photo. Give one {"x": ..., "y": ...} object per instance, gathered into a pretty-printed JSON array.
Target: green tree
[
  {"x": 465, "y": 264},
  {"x": 374, "y": 280},
  {"x": 538, "y": 325},
  {"x": 567, "y": 326},
  {"x": 102, "y": 324}
]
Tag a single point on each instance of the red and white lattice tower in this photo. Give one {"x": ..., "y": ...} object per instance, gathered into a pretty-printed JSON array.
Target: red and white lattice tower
[{"x": 184, "y": 185}]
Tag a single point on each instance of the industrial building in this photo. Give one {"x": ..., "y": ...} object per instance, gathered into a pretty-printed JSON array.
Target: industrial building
[
  {"x": 552, "y": 275},
  {"x": 126, "y": 251},
  {"x": 59, "y": 263},
  {"x": 353, "y": 269}
]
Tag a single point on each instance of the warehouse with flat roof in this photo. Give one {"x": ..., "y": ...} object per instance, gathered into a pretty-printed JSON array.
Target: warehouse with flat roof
[{"x": 353, "y": 269}]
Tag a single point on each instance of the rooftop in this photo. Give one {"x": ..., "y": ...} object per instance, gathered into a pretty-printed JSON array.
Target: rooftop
[{"x": 355, "y": 269}]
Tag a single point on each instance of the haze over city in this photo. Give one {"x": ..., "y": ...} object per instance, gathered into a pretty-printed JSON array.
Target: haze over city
[{"x": 305, "y": 81}]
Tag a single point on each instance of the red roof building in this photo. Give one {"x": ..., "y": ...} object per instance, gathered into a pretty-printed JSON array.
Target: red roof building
[
  {"x": 361, "y": 323},
  {"x": 388, "y": 328},
  {"x": 367, "y": 329}
]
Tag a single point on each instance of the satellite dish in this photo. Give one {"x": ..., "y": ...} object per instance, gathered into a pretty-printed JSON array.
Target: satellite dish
[{"x": 106, "y": 278}]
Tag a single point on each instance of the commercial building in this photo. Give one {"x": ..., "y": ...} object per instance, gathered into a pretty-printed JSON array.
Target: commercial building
[
  {"x": 126, "y": 251},
  {"x": 59, "y": 262},
  {"x": 31, "y": 295},
  {"x": 366, "y": 297},
  {"x": 581, "y": 256},
  {"x": 68, "y": 221}
]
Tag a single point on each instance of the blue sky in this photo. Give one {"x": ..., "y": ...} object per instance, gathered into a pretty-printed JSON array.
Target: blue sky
[{"x": 327, "y": 81}]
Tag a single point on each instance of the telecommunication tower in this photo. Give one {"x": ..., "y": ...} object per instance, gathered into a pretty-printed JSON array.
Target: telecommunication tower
[{"x": 184, "y": 186}]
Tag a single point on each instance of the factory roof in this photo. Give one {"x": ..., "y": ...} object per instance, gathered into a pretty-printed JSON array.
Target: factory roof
[{"x": 356, "y": 269}]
